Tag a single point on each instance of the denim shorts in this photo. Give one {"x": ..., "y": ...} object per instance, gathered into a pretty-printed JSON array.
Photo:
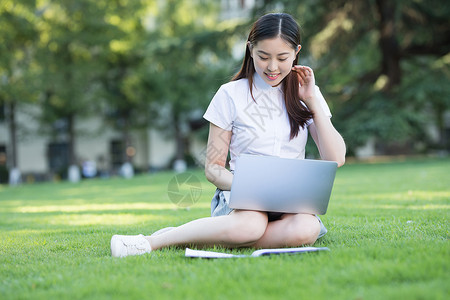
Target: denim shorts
[{"x": 219, "y": 207}]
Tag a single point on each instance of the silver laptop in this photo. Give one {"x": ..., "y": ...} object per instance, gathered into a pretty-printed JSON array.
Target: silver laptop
[{"x": 273, "y": 184}]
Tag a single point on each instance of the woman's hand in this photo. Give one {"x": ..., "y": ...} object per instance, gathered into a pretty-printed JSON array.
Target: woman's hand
[
  {"x": 306, "y": 91},
  {"x": 329, "y": 142}
]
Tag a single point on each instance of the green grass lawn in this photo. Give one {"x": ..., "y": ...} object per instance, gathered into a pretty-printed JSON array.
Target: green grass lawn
[{"x": 388, "y": 235}]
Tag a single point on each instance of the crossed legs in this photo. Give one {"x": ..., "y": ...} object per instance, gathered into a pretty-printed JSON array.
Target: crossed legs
[
  {"x": 292, "y": 230},
  {"x": 242, "y": 228}
]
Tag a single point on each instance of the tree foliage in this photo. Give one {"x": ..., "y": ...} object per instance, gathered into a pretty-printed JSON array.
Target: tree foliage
[
  {"x": 18, "y": 67},
  {"x": 140, "y": 63},
  {"x": 187, "y": 62},
  {"x": 74, "y": 36},
  {"x": 384, "y": 65}
]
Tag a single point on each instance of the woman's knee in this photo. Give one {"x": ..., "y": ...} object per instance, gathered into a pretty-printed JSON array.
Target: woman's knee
[
  {"x": 304, "y": 229},
  {"x": 247, "y": 226}
]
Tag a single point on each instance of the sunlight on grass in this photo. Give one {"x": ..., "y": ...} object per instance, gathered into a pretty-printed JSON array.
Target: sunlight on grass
[
  {"x": 413, "y": 195},
  {"x": 121, "y": 191},
  {"x": 405, "y": 200},
  {"x": 100, "y": 207},
  {"x": 394, "y": 206},
  {"x": 103, "y": 219},
  {"x": 410, "y": 195}
]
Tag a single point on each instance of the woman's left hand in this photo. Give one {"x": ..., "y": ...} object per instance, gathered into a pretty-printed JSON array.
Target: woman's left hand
[{"x": 306, "y": 91}]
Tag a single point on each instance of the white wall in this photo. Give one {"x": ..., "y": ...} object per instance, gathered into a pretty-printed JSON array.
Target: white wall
[
  {"x": 93, "y": 140},
  {"x": 161, "y": 149},
  {"x": 32, "y": 156}
]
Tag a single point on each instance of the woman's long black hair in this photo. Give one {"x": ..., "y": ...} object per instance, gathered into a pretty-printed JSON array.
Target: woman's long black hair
[{"x": 268, "y": 27}]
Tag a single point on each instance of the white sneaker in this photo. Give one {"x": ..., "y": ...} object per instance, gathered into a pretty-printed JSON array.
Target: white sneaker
[{"x": 125, "y": 245}]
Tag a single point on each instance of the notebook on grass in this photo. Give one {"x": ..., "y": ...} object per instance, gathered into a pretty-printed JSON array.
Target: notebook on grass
[
  {"x": 261, "y": 252},
  {"x": 274, "y": 184}
]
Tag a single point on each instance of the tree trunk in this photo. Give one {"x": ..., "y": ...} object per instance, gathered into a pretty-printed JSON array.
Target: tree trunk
[
  {"x": 180, "y": 141},
  {"x": 180, "y": 164},
  {"x": 71, "y": 144},
  {"x": 126, "y": 143},
  {"x": 12, "y": 135},
  {"x": 388, "y": 43},
  {"x": 145, "y": 141},
  {"x": 440, "y": 123}
]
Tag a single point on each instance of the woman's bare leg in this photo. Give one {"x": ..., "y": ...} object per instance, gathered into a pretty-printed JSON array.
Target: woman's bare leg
[
  {"x": 292, "y": 230},
  {"x": 234, "y": 230}
]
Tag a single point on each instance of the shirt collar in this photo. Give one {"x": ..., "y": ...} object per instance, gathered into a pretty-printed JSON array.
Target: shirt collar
[{"x": 260, "y": 84}]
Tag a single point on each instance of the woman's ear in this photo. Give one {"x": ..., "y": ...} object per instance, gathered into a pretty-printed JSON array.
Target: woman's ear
[
  {"x": 298, "y": 49},
  {"x": 250, "y": 48}
]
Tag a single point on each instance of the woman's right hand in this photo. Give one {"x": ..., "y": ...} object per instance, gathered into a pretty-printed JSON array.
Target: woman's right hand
[{"x": 306, "y": 91}]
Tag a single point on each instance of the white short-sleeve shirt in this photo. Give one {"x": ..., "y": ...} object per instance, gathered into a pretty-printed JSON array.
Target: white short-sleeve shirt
[{"x": 260, "y": 126}]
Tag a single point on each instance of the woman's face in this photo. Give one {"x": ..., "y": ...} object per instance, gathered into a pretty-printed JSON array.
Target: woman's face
[{"x": 273, "y": 59}]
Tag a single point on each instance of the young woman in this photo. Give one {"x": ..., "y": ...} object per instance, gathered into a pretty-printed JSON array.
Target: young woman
[{"x": 267, "y": 109}]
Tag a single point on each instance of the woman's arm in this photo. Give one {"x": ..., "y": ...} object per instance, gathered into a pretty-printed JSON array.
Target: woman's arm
[
  {"x": 216, "y": 158},
  {"x": 330, "y": 143}
]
